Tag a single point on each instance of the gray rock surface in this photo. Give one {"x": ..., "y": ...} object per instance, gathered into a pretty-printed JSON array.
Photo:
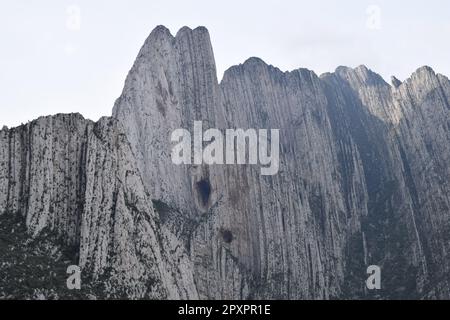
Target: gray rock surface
[
  {"x": 79, "y": 180},
  {"x": 364, "y": 179}
]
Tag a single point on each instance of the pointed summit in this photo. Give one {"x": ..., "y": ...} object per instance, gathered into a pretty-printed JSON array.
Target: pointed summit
[
  {"x": 395, "y": 82},
  {"x": 360, "y": 75},
  {"x": 423, "y": 79}
]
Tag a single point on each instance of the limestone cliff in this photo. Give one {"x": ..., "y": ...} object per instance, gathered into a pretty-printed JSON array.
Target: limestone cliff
[
  {"x": 78, "y": 180},
  {"x": 363, "y": 180}
]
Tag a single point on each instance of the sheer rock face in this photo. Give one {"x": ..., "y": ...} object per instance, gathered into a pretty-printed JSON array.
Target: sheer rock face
[
  {"x": 363, "y": 180},
  {"x": 79, "y": 179},
  {"x": 345, "y": 196}
]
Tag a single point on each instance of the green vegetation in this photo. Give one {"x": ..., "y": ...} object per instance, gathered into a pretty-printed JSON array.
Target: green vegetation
[{"x": 35, "y": 268}]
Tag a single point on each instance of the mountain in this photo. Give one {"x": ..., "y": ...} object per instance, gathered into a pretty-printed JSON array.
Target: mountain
[{"x": 363, "y": 180}]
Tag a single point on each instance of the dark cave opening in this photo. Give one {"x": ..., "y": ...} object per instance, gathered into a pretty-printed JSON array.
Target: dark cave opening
[
  {"x": 204, "y": 189},
  {"x": 227, "y": 236}
]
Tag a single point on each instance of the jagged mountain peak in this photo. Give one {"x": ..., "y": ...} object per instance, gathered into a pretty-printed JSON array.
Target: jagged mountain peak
[
  {"x": 161, "y": 43},
  {"x": 361, "y": 76},
  {"x": 395, "y": 82},
  {"x": 200, "y": 30},
  {"x": 185, "y": 36},
  {"x": 160, "y": 30},
  {"x": 252, "y": 64},
  {"x": 163, "y": 31},
  {"x": 424, "y": 70},
  {"x": 424, "y": 74},
  {"x": 423, "y": 82},
  {"x": 255, "y": 61},
  {"x": 362, "y": 180},
  {"x": 256, "y": 65}
]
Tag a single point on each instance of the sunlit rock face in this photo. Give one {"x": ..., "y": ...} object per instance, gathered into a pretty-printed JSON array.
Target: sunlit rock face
[
  {"x": 363, "y": 180},
  {"x": 78, "y": 179}
]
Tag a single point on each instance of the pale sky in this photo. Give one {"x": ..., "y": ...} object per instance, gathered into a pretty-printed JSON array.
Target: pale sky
[{"x": 54, "y": 60}]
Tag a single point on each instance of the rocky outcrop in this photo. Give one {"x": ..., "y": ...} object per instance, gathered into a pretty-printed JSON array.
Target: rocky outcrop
[
  {"x": 343, "y": 199},
  {"x": 79, "y": 180},
  {"x": 363, "y": 181}
]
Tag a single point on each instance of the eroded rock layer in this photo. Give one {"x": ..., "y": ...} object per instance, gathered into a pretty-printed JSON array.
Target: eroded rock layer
[{"x": 363, "y": 180}]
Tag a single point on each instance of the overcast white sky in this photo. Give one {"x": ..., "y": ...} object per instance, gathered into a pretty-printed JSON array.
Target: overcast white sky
[{"x": 53, "y": 62}]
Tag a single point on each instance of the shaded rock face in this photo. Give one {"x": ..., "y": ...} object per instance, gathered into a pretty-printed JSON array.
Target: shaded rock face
[{"x": 363, "y": 180}]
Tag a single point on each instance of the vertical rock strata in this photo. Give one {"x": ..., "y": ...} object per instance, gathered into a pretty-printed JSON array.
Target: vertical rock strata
[
  {"x": 79, "y": 180},
  {"x": 363, "y": 179}
]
